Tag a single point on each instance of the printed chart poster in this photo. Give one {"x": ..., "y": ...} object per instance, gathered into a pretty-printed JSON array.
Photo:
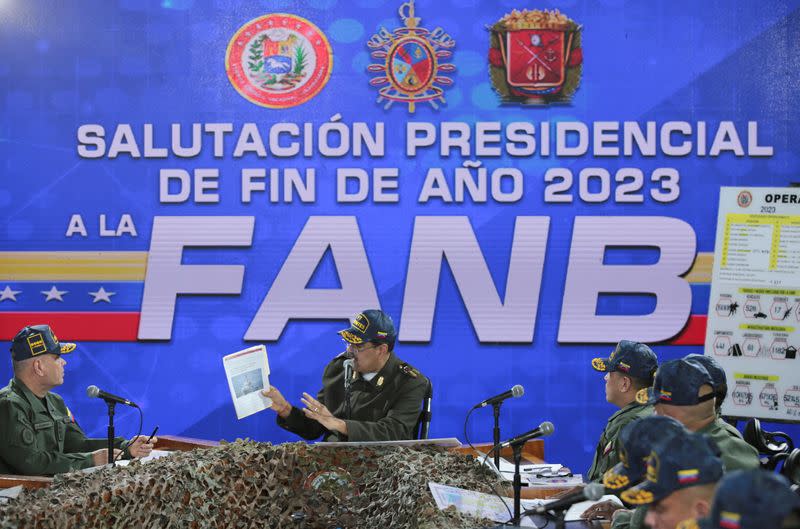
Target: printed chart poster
[{"x": 754, "y": 316}]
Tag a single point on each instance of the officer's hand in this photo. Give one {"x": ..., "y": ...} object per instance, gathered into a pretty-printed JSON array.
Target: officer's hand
[
  {"x": 279, "y": 403},
  {"x": 138, "y": 446},
  {"x": 601, "y": 511},
  {"x": 100, "y": 457},
  {"x": 316, "y": 410}
]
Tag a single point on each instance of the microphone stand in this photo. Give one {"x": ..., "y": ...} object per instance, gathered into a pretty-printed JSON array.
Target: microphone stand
[
  {"x": 496, "y": 432},
  {"x": 111, "y": 404},
  {"x": 517, "y": 482}
]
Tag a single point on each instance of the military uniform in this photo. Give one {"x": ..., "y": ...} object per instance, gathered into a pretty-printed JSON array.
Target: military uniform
[
  {"x": 635, "y": 360},
  {"x": 385, "y": 408},
  {"x": 606, "y": 455},
  {"x": 39, "y": 436},
  {"x": 736, "y": 453}
]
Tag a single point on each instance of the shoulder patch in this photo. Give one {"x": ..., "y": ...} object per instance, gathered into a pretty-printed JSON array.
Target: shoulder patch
[
  {"x": 409, "y": 371},
  {"x": 27, "y": 436}
]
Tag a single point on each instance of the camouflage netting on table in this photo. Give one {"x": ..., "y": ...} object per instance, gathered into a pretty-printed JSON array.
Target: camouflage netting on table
[{"x": 248, "y": 484}]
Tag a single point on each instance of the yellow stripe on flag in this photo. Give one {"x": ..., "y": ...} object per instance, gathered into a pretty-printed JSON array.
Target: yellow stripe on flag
[
  {"x": 701, "y": 269},
  {"x": 72, "y": 266}
]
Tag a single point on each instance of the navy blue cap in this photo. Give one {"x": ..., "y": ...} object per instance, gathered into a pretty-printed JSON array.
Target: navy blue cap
[
  {"x": 712, "y": 366},
  {"x": 749, "y": 499},
  {"x": 35, "y": 340},
  {"x": 632, "y": 358},
  {"x": 678, "y": 383},
  {"x": 686, "y": 460},
  {"x": 636, "y": 441},
  {"x": 372, "y": 325}
]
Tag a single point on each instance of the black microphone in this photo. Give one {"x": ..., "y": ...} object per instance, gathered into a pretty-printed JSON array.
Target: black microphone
[
  {"x": 592, "y": 492},
  {"x": 516, "y": 391},
  {"x": 348, "y": 373},
  {"x": 94, "y": 391},
  {"x": 544, "y": 429}
]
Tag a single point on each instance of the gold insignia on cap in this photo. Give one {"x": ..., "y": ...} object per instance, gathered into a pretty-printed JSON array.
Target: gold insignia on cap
[
  {"x": 652, "y": 467},
  {"x": 350, "y": 337},
  {"x": 361, "y": 322},
  {"x": 636, "y": 496},
  {"x": 599, "y": 364},
  {"x": 614, "y": 481},
  {"x": 642, "y": 397},
  {"x": 380, "y": 381},
  {"x": 36, "y": 344},
  {"x": 67, "y": 347}
]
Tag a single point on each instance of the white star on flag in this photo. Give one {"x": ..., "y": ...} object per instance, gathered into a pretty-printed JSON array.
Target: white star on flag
[
  {"x": 53, "y": 293},
  {"x": 101, "y": 295},
  {"x": 7, "y": 293}
]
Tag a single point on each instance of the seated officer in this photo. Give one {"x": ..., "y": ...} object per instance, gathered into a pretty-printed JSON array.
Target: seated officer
[
  {"x": 720, "y": 382},
  {"x": 680, "y": 480},
  {"x": 751, "y": 499},
  {"x": 636, "y": 442},
  {"x": 386, "y": 393},
  {"x": 38, "y": 434},
  {"x": 683, "y": 390},
  {"x": 629, "y": 369}
]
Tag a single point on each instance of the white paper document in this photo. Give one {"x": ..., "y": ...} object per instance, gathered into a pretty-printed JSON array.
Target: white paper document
[
  {"x": 481, "y": 505},
  {"x": 248, "y": 374}
]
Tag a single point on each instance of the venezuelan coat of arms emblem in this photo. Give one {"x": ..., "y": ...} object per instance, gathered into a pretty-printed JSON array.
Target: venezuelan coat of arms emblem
[
  {"x": 411, "y": 62},
  {"x": 279, "y": 60},
  {"x": 535, "y": 57}
]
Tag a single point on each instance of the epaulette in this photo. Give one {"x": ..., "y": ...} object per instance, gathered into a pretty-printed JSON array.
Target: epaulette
[{"x": 409, "y": 371}]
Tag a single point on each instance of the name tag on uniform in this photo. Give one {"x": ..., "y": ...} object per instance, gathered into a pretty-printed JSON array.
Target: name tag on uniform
[{"x": 42, "y": 425}]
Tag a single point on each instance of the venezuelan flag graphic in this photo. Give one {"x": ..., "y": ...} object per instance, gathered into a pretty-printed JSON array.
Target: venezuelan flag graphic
[
  {"x": 688, "y": 476},
  {"x": 730, "y": 520},
  {"x": 90, "y": 296}
]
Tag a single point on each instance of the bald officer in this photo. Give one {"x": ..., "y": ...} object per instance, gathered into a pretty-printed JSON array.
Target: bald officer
[{"x": 38, "y": 434}]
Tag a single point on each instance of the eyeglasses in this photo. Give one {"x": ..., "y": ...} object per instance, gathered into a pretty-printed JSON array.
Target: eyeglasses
[{"x": 358, "y": 348}]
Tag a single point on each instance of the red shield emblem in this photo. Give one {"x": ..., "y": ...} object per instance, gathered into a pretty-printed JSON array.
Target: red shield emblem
[{"x": 535, "y": 58}]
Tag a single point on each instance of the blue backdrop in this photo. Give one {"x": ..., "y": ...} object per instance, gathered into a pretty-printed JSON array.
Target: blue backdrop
[{"x": 161, "y": 62}]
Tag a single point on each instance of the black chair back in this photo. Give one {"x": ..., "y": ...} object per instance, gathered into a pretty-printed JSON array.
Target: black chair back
[
  {"x": 773, "y": 446},
  {"x": 423, "y": 425}
]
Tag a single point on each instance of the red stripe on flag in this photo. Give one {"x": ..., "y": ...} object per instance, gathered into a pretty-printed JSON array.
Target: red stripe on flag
[
  {"x": 85, "y": 326},
  {"x": 694, "y": 333}
]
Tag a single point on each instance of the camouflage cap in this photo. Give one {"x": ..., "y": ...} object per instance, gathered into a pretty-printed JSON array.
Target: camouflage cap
[
  {"x": 632, "y": 358},
  {"x": 678, "y": 383},
  {"x": 636, "y": 441},
  {"x": 686, "y": 460},
  {"x": 372, "y": 325},
  {"x": 35, "y": 340}
]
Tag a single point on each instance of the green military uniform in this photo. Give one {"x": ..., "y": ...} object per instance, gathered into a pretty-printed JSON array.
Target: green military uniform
[
  {"x": 736, "y": 453},
  {"x": 731, "y": 429},
  {"x": 39, "y": 436},
  {"x": 606, "y": 454},
  {"x": 385, "y": 408}
]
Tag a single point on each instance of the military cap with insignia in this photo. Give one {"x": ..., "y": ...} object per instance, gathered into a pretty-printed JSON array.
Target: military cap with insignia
[
  {"x": 636, "y": 442},
  {"x": 715, "y": 370},
  {"x": 372, "y": 325},
  {"x": 631, "y": 358},
  {"x": 35, "y": 340},
  {"x": 678, "y": 383},
  {"x": 749, "y": 499},
  {"x": 686, "y": 460}
]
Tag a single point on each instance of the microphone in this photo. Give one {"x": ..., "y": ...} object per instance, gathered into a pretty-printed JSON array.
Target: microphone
[
  {"x": 516, "y": 391},
  {"x": 348, "y": 372},
  {"x": 94, "y": 391},
  {"x": 544, "y": 429},
  {"x": 592, "y": 492}
]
